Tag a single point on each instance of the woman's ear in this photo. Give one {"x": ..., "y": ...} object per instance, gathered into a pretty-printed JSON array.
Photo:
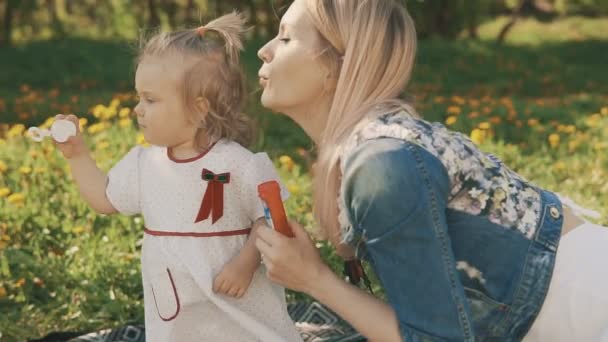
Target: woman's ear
[
  {"x": 331, "y": 83},
  {"x": 202, "y": 108}
]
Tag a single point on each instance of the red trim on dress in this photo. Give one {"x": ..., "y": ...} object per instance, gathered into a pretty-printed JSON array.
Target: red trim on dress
[
  {"x": 201, "y": 155},
  {"x": 198, "y": 234},
  {"x": 167, "y": 319}
]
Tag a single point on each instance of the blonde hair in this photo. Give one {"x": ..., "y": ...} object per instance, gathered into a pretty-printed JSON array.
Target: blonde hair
[
  {"x": 213, "y": 72},
  {"x": 370, "y": 46}
]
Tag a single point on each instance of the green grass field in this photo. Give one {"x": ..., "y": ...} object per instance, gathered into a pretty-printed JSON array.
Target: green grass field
[{"x": 540, "y": 102}]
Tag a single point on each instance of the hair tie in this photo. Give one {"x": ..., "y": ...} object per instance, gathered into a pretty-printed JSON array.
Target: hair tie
[{"x": 201, "y": 31}]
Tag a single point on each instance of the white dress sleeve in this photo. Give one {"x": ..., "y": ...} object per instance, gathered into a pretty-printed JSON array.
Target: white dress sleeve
[
  {"x": 259, "y": 169},
  {"x": 123, "y": 189}
]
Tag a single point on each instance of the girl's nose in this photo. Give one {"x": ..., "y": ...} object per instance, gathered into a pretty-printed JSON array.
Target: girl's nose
[{"x": 138, "y": 111}]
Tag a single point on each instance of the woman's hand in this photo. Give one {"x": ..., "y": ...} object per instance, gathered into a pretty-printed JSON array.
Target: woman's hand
[
  {"x": 75, "y": 146},
  {"x": 295, "y": 262}
]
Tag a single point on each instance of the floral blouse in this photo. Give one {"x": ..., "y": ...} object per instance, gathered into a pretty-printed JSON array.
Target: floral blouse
[{"x": 480, "y": 183}]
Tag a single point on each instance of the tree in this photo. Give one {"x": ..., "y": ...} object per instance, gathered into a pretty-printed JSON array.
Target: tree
[{"x": 7, "y": 23}]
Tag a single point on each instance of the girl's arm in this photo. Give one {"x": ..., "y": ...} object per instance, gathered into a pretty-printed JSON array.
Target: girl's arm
[
  {"x": 91, "y": 181},
  {"x": 235, "y": 277},
  {"x": 296, "y": 264}
]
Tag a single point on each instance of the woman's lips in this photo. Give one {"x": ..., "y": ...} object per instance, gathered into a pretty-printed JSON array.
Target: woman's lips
[{"x": 263, "y": 81}]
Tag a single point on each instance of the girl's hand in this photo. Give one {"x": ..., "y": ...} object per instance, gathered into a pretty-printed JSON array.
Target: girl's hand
[
  {"x": 75, "y": 146},
  {"x": 294, "y": 263},
  {"x": 235, "y": 277}
]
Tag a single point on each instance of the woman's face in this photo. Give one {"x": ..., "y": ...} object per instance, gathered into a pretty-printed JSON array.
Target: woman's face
[{"x": 292, "y": 77}]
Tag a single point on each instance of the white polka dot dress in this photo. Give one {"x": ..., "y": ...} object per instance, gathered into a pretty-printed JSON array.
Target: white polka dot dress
[{"x": 181, "y": 257}]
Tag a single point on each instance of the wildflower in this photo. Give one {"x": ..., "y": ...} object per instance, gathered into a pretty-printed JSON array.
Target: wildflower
[
  {"x": 554, "y": 140},
  {"x": 16, "y": 198},
  {"x": 451, "y": 120},
  {"x": 478, "y": 136}
]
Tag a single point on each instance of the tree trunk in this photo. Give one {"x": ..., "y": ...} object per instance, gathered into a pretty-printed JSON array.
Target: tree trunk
[
  {"x": 508, "y": 26},
  {"x": 58, "y": 29},
  {"x": 170, "y": 7},
  {"x": 190, "y": 12},
  {"x": 218, "y": 8},
  {"x": 253, "y": 18},
  {"x": 154, "y": 20},
  {"x": 442, "y": 19},
  {"x": 7, "y": 24}
]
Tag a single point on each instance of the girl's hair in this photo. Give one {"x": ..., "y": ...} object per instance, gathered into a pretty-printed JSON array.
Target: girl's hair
[
  {"x": 369, "y": 47},
  {"x": 212, "y": 71}
]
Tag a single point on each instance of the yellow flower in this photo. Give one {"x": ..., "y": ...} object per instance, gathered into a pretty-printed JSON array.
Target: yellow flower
[
  {"x": 96, "y": 128},
  {"x": 484, "y": 125},
  {"x": 573, "y": 145},
  {"x": 140, "y": 140},
  {"x": 82, "y": 123},
  {"x": 48, "y": 123},
  {"x": 98, "y": 110},
  {"x": 455, "y": 110},
  {"x": 478, "y": 136},
  {"x": 78, "y": 229},
  {"x": 20, "y": 282},
  {"x": 125, "y": 122},
  {"x": 109, "y": 113},
  {"x": 16, "y": 198},
  {"x": 496, "y": 120},
  {"x": 532, "y": 122},
  {"x": 604, "y": 111},
  {"x": 559, "y": 166},
  {"x": 15, "y": 131},
  {"x": 458, "y": 100},
  {"x": 2, "y": 292},
  {"x": 593, "y": 120},
  {"x": 600, "y": 146},
  {"x": 3, "y": 166},
  {"x": 554, "y": 140},
  {"x": 6, "y": 238},
  {"x": 124, "y": 113},
  {"x": 293, "y": 188},
  {"x": 451, "y": 120},
  {"x": 286, "y": 162},
  {"x": 114, "y": 103},
  {"x": 103, "y": 145},
  {"x": 26, "y": 170},
  {"x": 4, "y": 192}
]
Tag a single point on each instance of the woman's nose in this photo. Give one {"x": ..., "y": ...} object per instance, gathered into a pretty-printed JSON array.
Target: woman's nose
[{"x": 264, "y": 53}]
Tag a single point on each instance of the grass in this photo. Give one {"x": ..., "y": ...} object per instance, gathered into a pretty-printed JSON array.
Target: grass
[{"x": 540, "y": 102}]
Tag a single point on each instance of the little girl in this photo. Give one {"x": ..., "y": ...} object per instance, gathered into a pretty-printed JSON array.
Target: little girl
[{"x": 196, "y": 188}]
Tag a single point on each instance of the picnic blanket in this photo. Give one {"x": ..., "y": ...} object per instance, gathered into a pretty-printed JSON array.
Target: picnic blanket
[{"x": 314, "y": 322}]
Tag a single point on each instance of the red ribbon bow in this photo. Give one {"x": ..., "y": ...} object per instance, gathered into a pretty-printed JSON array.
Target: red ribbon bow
[{"x": 213, "y": 200}]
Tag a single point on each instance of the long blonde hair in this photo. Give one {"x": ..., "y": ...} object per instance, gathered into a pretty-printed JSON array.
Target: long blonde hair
[
  {"x": 215, "y": 75},
  {"x": 370, "y": 47}
]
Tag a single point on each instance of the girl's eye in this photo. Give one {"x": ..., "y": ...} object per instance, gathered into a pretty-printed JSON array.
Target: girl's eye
[{"x": 284, "y": 40}]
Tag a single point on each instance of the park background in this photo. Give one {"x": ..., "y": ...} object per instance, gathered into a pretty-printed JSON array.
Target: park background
[{"x": 527, "y": 80}]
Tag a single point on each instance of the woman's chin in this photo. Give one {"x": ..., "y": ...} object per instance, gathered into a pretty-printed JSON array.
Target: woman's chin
[{"x": 268, "y": 102}]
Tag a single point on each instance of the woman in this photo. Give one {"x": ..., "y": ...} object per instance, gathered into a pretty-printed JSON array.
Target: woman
[{"x": 464, "y": 247}]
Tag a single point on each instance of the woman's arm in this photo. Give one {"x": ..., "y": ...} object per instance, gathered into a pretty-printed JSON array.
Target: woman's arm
[{"x": 296, "y": 264}]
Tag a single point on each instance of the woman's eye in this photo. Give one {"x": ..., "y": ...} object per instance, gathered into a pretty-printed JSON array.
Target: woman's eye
[{"x": 284, "y": 40}]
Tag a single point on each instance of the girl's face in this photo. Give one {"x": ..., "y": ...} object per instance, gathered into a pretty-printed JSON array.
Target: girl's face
[
  {"x": 292, "y": 76},
  {"x": 160, "y": 111}
]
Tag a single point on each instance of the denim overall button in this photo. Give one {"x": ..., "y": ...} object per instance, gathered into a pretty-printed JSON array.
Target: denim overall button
[{"x": 554, "y": 212}]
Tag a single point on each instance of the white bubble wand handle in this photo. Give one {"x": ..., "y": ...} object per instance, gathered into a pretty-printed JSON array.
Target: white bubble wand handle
[{"x": 61, "y": 131}]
